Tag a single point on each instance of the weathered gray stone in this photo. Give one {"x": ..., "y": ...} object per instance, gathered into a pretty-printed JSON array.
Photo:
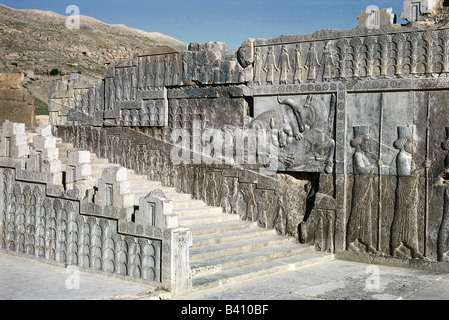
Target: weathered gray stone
[
  {"x": 373, "y": 18},
  {"x": 337, "y": 137},
  {"x": 47, "y": 219}
]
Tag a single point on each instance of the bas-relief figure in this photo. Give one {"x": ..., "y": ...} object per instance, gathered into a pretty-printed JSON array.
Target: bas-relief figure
[
  {"x": 270, "y": 66},
  {"x": 404, "y": 229},
  {"x": 258, "y": 67},
  {"x": 361, "y": 219},
  {"x": 284, "y": 65},
  {"x": 443, "y": 232},
  {"x": 362, "y": 223},
  {"x": 302, "y": 131},
  {"x": 312, "y": 64},
  {"x": 302, "y": 125},
  {"x": 298, "y": 65},
  {"x": 327, "y": 62}
]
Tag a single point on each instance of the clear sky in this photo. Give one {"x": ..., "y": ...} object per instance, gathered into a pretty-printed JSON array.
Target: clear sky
[{"x": 230, "y": 21}]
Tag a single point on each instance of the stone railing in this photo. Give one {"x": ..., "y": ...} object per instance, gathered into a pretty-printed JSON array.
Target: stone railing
[{"x": 43, "y": 218}]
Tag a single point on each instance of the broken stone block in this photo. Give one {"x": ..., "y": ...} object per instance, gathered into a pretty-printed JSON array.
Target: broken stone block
[
  {"x": 417, "y": 10},
  {"x": 14, "y": 142},
  {"x": 156, "y": 210},
  {"x": 78, "y": 157},
  {"x": 11, "y": 81},
  {"x": 44, "y": 130},
  {"x": 375, "y": 19},
  {"x": 114, "y": 189}
]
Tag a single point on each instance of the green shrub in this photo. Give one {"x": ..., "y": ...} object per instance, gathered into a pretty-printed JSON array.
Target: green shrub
[
  {"x": 54, "y": 72},
  {"x": 40, "y": 107}
]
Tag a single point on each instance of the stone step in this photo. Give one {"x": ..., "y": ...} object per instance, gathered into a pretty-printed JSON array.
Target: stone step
[
  {"x": 143, "y": 192},
  {"x": 100, "y": 161},
  {"x": 63, "y": 151},
  {"x": 229, "y": 236},
  {"x": 218, "y": 277},
  {"x": 61, "y": 145},
  {"x": 217, "y": 228},
  {"x": 139, "y": 184},
  {"x": 247, "y": 258},
  {"x": 190, "y": 203},
  {"x": 102, "y": 166},
  {"x": 192, "y": 221},
  {"x": 172, "y": 195},
  {"x": 238, "y": 247},
  {"x": 199, "y": 211},
  {"x": 146, "y": 190},
  {"x": 97, "y": 172},
  {"x": 134, "y": 177}
]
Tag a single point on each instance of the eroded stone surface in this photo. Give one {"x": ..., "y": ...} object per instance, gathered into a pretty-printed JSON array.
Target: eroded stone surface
[{"x": 356, "y": 118}]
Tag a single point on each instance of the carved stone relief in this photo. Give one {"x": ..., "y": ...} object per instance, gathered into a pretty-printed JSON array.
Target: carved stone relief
[{"x": 301, "y": 128}]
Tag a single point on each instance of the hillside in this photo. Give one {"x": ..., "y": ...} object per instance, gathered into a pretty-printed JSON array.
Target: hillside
[{"x": 38, "y": 44}]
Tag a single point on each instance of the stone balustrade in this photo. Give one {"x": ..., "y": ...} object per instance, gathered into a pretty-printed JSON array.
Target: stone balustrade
[{"x": 69, "y": 223}]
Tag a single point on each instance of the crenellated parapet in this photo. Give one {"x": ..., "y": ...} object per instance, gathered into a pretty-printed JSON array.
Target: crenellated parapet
[{"x": 59, "y": 209}]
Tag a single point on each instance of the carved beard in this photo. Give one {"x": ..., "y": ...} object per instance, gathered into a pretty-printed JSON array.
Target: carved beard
[
  {"x": 366, "y": 145},
  {"x": 408, "y": 147}
]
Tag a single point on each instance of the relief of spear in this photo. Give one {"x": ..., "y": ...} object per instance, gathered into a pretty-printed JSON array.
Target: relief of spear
[{"x": 379, "y": 191}]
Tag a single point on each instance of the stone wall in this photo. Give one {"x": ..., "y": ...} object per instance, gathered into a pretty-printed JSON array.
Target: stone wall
[
  {"x": 45, "y": 217},
  {"x": 277, "y": 201},
  {"x": 15, "y": 104},
  {"x": 339, "y": 135}
]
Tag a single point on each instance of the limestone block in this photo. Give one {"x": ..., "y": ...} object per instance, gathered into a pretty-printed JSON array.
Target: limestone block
[
  {"x": 121, "y": 174},
  {"x": 127, "y": 201},
  {"x": 55, "y": 178},
  {"x": 78, "y": 157},
  {"x": 181, "y": 240},
  {"x": 44, "y": 130},
  {"x": 42, "y": 143},
  {"x": 85, "y": 170},
  {"x": 19, "y": 140},
  {"x": 12, "y": 95},
  {"x": 55, "y": 166},
  {"x": 125, "y": 187},
  {"x": 74, "y": 77},
  {"x": 15, "y": 139},
  {"x": 17, "y": 111},
  {"x": 10, "y": 128},
  {"x": 156, "y": 209},
  {"x": 417, "y": 10},
  {"x": 11, "y": 81},
  {"x": 52, "y": 153},
  {"x": 20, "y": 152},
  {"x": 171, "y": 221},
  {"x": 113, "y": 188},
  {"x": 245, "y": 53},
  {"x": 374, "y": 19}
]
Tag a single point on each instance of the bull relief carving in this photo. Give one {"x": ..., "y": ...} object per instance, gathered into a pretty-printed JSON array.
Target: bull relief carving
[{"x": 302, "y": 130}]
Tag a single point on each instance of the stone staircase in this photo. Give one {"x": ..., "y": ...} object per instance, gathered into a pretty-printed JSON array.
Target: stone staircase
[{"x": 225, "y": 249}]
